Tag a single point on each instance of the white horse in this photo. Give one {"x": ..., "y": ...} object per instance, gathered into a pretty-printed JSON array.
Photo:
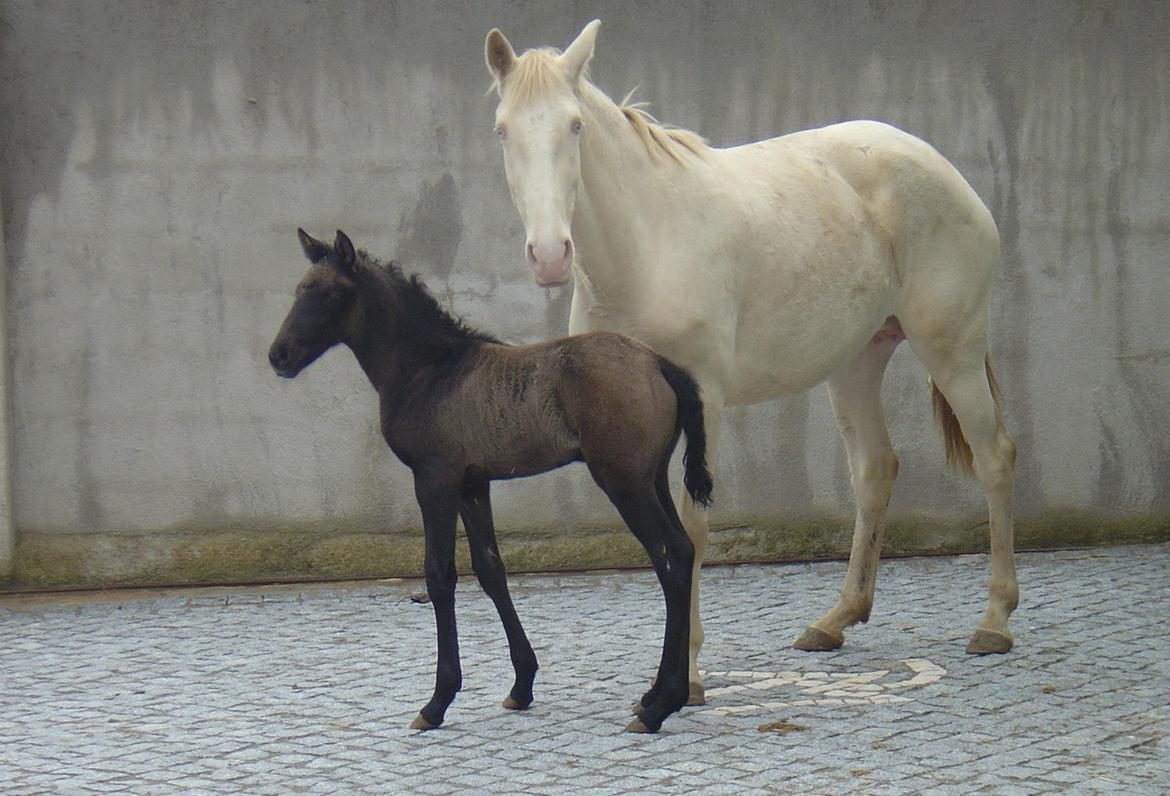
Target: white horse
[{"x": 766, "y": 269}]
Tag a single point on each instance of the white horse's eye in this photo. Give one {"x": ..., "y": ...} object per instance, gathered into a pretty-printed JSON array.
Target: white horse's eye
[
  {"x": 501, "y": 133},
  {"x": 576, "y": 126}
]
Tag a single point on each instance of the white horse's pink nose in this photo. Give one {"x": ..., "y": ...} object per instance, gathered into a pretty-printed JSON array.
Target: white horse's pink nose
[{"x": 550, "y": 264}]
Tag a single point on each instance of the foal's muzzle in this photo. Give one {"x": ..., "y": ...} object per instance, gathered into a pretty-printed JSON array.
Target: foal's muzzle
[{"x": 278, "y": 357}]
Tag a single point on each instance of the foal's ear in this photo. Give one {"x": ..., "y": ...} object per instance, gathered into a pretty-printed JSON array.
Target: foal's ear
[
  {"x": 576, "y": 56},
  {"x": 343, "y": 247},
  {"x": 314, "y": 249},
  {"x": 499, "y": 54}
]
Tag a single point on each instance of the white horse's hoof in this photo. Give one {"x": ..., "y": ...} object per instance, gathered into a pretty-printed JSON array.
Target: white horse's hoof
[
  {"x": 816, "y": 640},
  {"x": 698, "y": 694},
  {"x": 989, "y": 642}
]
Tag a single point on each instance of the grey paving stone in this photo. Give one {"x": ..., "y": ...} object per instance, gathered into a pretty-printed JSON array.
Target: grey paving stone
[{"x": 311, "y": 690}]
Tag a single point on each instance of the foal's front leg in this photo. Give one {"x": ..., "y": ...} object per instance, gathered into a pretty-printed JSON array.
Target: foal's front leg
[
  {"x": 476, "y": 510},
  {"x": 439, "y": 502}
]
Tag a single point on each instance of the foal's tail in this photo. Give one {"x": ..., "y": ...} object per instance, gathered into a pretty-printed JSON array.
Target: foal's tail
[
  {"x": 696, "y": 476},
  {"x": 959, "y": 455}
]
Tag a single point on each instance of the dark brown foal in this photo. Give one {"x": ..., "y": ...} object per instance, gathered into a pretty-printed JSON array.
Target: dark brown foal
[{"x": 461, "y": 409}]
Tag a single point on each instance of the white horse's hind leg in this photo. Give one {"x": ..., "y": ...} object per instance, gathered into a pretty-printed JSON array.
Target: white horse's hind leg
[
  {"x": 856, "y": 396},
  {"x": 968, "y": 391},
  {"x": 694, "y": 519}
]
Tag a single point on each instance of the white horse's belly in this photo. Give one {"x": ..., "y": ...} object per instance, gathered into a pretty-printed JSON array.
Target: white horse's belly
[
  {"x": 800, "y": 349},
  {"x": 818, "y": 284}
]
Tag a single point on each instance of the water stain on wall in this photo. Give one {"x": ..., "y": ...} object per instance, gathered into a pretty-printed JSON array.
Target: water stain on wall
[{"x": 429, "y": 233}]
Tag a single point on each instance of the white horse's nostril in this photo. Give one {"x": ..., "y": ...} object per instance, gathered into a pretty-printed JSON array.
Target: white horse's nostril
[{"x": 546, "y": 254}]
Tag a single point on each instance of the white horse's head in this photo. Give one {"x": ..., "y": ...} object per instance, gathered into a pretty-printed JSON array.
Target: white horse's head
[{"x": 538, "y": 123}]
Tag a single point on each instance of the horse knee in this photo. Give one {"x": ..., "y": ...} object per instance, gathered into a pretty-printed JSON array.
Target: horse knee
[
  {"x": 873, "y": 479},
  {"x": 997, "y": 471},
  {"x": 440, "y": 577},
  {"x": 487, "y": 566}
]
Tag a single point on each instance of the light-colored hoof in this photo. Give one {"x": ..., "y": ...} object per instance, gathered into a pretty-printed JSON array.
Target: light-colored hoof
[
  {"x": 637, "y": 726},
  {"x": 420, "y": 723},
  {"x": 816, "y": 640},
  {"x": 698, "y": 695},
  {"x": 512, "y": 704},
  {"x": 989, "y": 642}
]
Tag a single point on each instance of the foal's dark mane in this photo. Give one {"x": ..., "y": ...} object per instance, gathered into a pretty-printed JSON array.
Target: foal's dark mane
[{"x": 405, "y": 301}]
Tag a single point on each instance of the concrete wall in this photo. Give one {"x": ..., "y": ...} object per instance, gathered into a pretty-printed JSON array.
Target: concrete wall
[
  {"x": 157, "y": 158},
  {"x": 7, "y": 529}
]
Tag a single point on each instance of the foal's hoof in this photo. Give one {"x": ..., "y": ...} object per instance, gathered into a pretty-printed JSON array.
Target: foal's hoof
[
  {"x": 816, "y": 640},
  {"x": 511, "y": 703},
  {"x": 698, "y": 695},
  {"x": 420, "y": 723},
  {"x": 989, "y": 642},
  {"x": 637, "y": 726}
]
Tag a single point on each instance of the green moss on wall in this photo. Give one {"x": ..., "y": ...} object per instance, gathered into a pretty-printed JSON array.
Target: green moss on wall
[{"x": 242, "y": 555}]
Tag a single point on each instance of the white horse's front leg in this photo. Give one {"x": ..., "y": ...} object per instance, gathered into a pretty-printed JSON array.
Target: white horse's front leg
[{"x": 694, "y": 519}]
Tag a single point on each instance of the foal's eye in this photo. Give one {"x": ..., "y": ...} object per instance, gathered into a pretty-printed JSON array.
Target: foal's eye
[
  {"x": 576, "y": 126},
  {"x": 501, "y": 132}
]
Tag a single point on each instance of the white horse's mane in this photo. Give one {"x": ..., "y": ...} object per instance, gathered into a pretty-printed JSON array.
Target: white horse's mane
[
  {"x": 535, "y": 73},
  {"x": 674, "y": 141}
]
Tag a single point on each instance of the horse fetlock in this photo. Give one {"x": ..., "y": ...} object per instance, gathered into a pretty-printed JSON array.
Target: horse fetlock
[
  {"x": 696, "y": 693},
  {"x": 430, "y": 717},
  {"x": 851, "y": 610},
  {"x": 518, "y": 700},
  {"x": 1006, "y": 597}
]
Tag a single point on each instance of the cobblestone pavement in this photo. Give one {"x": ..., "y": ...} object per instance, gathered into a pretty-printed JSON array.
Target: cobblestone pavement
[{"x": 309, "y": 689}]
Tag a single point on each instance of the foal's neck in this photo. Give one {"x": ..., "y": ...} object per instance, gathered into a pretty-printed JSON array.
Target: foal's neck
[{"x": 401, "y": 349}]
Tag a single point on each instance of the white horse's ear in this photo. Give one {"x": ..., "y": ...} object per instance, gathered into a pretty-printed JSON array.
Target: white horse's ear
[
  {"x": 576, "y": 56},
  {"x": 499, "y": 54}
]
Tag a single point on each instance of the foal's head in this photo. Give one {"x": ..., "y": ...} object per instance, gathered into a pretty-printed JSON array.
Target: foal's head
[
  {"x": 323, "y": 313},
  {"x": 539, "y": 123}
]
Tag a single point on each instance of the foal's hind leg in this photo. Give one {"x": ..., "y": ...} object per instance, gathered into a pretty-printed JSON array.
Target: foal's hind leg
[
  {"x": 856, "y": 395},
  {"x": 963, "y": 379},
  {"x": 476, "y": 510},
  {"x": 662, "y": 489},
  {"x": 672, "y": 556}
]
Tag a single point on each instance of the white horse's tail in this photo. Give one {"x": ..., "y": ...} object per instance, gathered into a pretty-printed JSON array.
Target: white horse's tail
[{"x": 958, "y": 451}]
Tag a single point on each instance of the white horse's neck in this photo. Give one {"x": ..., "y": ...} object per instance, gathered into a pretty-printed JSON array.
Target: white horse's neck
[{"x": 625, "y": 191}]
